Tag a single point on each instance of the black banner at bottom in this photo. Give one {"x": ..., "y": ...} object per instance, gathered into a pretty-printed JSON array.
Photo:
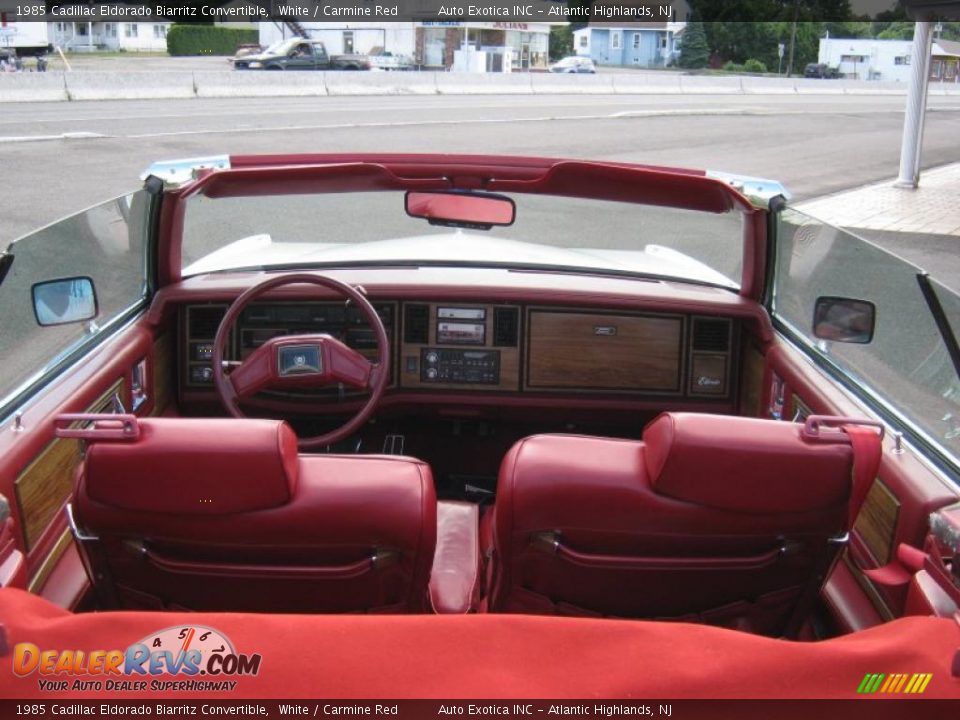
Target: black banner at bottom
[{"x": 874, "y": 709}]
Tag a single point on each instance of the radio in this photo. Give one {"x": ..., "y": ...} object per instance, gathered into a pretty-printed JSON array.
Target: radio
[{"x": 470, "y": 367}]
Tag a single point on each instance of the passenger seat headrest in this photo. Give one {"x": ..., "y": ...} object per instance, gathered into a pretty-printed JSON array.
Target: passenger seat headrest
[
  {"x": 209, "y": 466},
  {"x": 746, "y": 465}
]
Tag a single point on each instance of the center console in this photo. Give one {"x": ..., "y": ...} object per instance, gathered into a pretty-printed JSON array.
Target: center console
[{"x": 465, "y": 346}]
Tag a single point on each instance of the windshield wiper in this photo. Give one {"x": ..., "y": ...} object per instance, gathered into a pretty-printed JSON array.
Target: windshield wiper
[{"x": 940, "y": 318}]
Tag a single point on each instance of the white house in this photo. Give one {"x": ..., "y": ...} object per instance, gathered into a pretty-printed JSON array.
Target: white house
[
  {"x": 867, "y": 59},
  {"x": 92, "y": 36},
  {"x": 887, "y": 60}
]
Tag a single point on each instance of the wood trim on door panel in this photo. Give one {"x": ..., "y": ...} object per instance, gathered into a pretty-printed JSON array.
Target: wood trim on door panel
[
  {"x": 751, "y": 381},
  {"x": 876, "y": 524},
  {"x": 869, "y": 590},
  {"x": 590, "y": 351},
  {"x": 163, "y": 373},
  {"x": 45, "y": 484},
  {"x": 39, "y": 578}
]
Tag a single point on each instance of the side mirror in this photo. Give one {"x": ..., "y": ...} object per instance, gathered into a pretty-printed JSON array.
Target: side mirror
[
  {"x": 844, "y": 319},
  {"x": 58, "y": 302}
]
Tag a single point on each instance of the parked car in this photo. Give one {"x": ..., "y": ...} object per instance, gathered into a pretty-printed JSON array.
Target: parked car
[
  {"x": 574, "y": 64},
  {"x": 300, "y": 54},
  {"x": 820, "y": 70},
  {"x": 633, "y": 430},
  {"x": 381, "y": 59}
]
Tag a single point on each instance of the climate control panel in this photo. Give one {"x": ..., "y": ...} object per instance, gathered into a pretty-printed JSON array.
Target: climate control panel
[{"x": 469, "y": 367}]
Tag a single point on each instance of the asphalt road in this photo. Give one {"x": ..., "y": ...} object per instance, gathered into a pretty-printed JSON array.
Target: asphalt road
[{"x": 77, "y": 154}]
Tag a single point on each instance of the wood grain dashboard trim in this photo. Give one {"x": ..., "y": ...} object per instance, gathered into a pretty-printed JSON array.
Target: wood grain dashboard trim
[{"x": 573, "y": 350}]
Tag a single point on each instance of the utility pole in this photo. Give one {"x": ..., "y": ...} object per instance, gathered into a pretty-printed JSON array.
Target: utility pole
[{"x": 793, "y": 35}]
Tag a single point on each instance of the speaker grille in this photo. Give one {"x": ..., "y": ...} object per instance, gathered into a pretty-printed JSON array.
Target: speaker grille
[
  {"x": 506, "y": 322},
  {"x": 416, "y": 324},
  {"x": 204, "y": 321},
  {"x": 711, "y": 335}
]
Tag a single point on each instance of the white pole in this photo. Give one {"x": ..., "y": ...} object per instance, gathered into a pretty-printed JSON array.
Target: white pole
[{"x": 916, "y": 107}]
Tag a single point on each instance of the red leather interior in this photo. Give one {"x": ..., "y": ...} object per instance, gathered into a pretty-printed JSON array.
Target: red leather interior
[
  {"x": 13, "y": 565},
  {"x": 582, "y": 525},
  {"x": 455, "y": 578},
  {"x": 212, "y": 466},
  {"x": 744, "y": 465},
  {"x": 918, "y": 490},
  {"x": 356, "y": 534}
]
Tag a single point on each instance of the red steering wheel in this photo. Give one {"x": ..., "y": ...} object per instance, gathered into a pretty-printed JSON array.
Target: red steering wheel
[{"x": 292, "y": 361}]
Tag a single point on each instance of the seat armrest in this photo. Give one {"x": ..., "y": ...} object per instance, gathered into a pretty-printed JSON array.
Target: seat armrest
[{"x": 455, "y": 578}]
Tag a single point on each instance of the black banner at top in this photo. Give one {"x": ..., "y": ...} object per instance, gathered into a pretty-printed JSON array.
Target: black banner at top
[
  {"x": 437, "y": 11},
  {"x": 455, "y": 12}
]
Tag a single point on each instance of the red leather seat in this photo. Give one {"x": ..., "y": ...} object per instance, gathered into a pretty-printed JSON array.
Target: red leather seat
[
  {"x": 217, "y": 514},
  {"x": 710, "y": 518}
]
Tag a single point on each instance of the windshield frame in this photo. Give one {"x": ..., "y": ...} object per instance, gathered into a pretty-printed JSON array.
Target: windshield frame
[{"x": 251, "y": 176}]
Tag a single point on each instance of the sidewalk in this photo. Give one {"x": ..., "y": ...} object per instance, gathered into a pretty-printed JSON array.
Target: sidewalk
[
  {"x": 931, "y": 209},
  {"x": 920, "y": 225}
]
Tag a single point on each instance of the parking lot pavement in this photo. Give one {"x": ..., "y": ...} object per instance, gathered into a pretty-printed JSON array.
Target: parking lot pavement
[{"x": 920, "y": 224}]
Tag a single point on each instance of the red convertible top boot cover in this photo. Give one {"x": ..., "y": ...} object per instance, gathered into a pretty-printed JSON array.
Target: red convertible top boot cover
[
  {"x": 222, "y": 514},
  {"x": 710, "y": 518},
  {"x": 506, "y": 656}
]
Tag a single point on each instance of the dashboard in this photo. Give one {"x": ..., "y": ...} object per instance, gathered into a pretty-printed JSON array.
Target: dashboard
[{"x": 490, "y": 349}]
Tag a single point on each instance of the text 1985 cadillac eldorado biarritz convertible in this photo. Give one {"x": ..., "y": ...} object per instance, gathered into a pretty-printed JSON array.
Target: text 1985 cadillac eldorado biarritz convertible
[{"x": 474, "y": 426}]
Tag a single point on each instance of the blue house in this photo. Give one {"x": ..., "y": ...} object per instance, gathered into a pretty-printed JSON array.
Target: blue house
[{"x": 626, "y": 44}]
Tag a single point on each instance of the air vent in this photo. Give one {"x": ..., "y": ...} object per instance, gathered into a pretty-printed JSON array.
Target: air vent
[
  {"x": 416, "y": 324},
  {"x": 711, "y": 335},
  {"x": 505, "y": 326},
  {"x": 204, "y": 321}
]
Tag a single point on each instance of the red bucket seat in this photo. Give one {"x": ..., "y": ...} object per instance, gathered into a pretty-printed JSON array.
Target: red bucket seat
[
  {"x": 710, "y": 518},
  {"x": 218, "y": 514}
]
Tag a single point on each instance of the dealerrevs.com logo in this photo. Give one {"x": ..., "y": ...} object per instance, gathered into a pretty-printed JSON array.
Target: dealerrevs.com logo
[{"x": 188, "y": 658}]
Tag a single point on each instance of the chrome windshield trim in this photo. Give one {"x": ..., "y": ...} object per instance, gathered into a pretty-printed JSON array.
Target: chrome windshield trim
[
  {"x": 176, "y": 173},
  {"x": 759, "y": 191}
]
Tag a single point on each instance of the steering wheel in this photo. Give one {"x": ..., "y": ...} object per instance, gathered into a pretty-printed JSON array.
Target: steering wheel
[{"x": 302, "y": 360}]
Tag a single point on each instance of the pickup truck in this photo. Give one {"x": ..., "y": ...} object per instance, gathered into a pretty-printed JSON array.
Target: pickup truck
[{"x": 300, "y": 54}]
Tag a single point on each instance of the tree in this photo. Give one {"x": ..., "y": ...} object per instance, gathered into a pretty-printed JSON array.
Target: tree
[
  {"x": 561, "y": 41},
  {"x": 694, "y": 51}
]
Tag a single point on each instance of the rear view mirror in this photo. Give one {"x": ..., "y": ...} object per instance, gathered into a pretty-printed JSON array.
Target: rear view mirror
[
  {"x": 460, "y": 209},
  {"x": 844, "y": 320},
  {"x": 58, "y": 302}
]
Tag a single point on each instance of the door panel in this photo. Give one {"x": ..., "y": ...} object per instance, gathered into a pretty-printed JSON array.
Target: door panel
[
  {"x": 896, "y": 511},
  {"x": 36, "y": 469}
]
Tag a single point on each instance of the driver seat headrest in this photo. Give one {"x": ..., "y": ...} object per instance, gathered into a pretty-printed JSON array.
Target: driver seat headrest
[{"x": 202, "y": 466}]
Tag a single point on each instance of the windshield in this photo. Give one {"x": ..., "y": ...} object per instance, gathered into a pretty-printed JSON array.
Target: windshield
[
  {"x": 566, "y": 233},
  {"x": 907, "y": 363},
  {"x": 282, "y": 47}
]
